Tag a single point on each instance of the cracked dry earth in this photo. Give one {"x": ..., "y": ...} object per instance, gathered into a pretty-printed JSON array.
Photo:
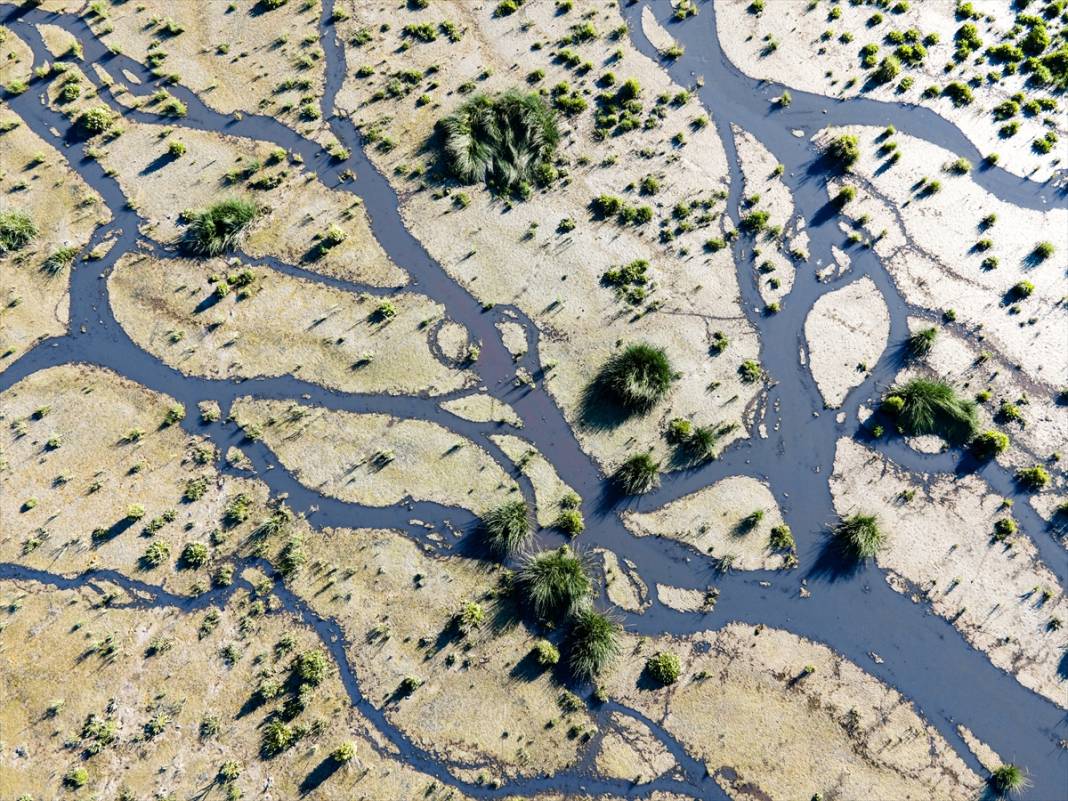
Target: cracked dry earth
[{"x": 241, "y": 495}]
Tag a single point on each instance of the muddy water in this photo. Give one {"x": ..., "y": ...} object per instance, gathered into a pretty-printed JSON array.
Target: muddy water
[{"x": 853, "y": 611}]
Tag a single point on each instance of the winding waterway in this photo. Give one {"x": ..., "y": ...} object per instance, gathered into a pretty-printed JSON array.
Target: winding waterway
[{"x": 853, "y": 611}]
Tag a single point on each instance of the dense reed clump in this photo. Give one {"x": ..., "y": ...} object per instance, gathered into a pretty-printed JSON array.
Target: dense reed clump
[
  {"x": 555, "y": 583},
  {"x": 593, "y": 643},
  {"x": 501, "y": 140},
  {"x": 506, "y": 527},
  {"x": 637, "y": 377},
  {"x": 923, "y": 406},
  {"x": 219, "y": 227}
]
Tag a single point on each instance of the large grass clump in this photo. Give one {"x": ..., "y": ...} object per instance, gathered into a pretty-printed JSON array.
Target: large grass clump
[
  {"x": 506, "y": 527},
  {"x": 1007, "y": 779},
  {"x": 555, "y": 583},
  {"x": 16, "y": 230},
  {"x": 593, "y": 643},
  {"x": 923, "y": 406},
  {"x": 860, "y": 535},
  {"x": 637, "y": 377},
  {"x": 219, "y": 227},
  {"x": 500, "y": 140},
  {"x": 640, "y": 473}
]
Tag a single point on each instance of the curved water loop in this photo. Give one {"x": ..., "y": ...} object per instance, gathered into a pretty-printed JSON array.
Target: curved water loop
[{"x": 923, "y": 655}]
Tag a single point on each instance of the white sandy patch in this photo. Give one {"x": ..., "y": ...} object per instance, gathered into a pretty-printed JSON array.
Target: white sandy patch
[
  {"x": 941, "y": 543},
  {"x": 482, "y": 407},
  {"x": 932, "y": 251},
  {"x": 711, "y": 521},
  {"x": 846, "y": 328},
  {"x": 803, "y": 59}
]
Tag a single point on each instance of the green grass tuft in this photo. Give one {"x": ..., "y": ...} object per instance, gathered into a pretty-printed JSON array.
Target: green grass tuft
[
  {"x": 638, "y": 377},
  {"x": 555, "y": 583},
  {"x": 640, "y": 473},
  {"x": 16, "y": 230}
]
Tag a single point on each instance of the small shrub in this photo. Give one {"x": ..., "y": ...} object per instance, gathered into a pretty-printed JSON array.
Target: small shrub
[
  {"x": 989, "y": 444},
  {"x": 1042, "y": 251},
  {"x": 344, "y": 753},
  {"x": 1032, "y": 478},
  {"x": 663, "y": 667},
  {"x": 843, "y": 151},
  {"x": 546, "y": 654},
  {"x": 781, "y": 538},
  {"x": 470, "y": 617},
  {"x": 570, "y": 522},
  {"x": 194, "y": 554},
  {"x": 94, "y": 120}
]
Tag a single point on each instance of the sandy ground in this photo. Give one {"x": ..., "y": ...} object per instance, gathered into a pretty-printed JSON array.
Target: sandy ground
[
  {"x": 630, "y": 751},
  {"x": 941, "y": 543},
  {"x": 237, "y": 57},
  {"x": 680, "y": 598},
  {"x": 549, "y": 490},
  {"x": 35, "y": 180},
  {"x": 580, "y": 321},
  {"x": 803, "y": 59},
  {"x": 846, "y": 332},
  {"x": 285, "y": 326},
  {"x": 931, "y": 249},
  {"x": 774, "y": 268},
  {"x": 623, "y": 585},
  {"x": 745, "y": 705},
  {"x": 16, "y": 61},
  {"x": 52, "y": 499},
  {"x": 1042, "y": 428},
  {"x": 396, "y": 605},
  {"x": 70, "y": 634},
  {"x": 375, "y": 459},
  {"x": 482, "y": 408},
  {"x": 298, "y": 212},
  {"x": 713, "y": 520}
]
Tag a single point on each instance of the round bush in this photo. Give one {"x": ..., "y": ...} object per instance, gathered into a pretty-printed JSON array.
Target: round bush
[
  {"x": 989, "y": 444},
  {"x": 638, "y": 377},
  {"x": 16, "y": 230},
  {"x": 663, "y": 667},
  {"x": 843, "y": 151}
]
